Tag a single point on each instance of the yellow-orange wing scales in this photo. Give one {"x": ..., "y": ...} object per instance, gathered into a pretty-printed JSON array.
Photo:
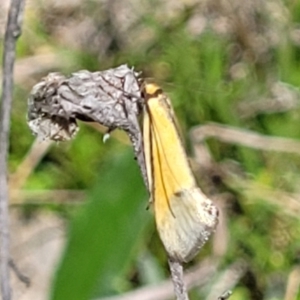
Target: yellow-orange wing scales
[{"x": 184, "y": 216}]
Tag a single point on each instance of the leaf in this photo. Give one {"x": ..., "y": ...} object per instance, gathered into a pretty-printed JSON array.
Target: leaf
[{"x": 104, "y": 235}]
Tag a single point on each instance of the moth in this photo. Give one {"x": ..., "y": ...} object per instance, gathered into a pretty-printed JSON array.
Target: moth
[{"x": 185, "y": 217}]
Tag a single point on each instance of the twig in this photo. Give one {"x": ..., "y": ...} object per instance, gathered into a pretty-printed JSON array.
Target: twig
[
  {"x": 244, "y": 137},
  {"x": 31, "y": 160},
  {"x": 13, "y": 31},
  {"x": 227, "y": 280},
  {"x": 176, "y": 270}
]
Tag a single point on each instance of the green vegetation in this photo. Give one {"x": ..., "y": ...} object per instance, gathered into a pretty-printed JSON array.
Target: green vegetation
[{"x": 235, "y": 65}]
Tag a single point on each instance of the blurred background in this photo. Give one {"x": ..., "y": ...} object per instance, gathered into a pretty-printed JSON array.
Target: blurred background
[{"x": 80, "y": 227}]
